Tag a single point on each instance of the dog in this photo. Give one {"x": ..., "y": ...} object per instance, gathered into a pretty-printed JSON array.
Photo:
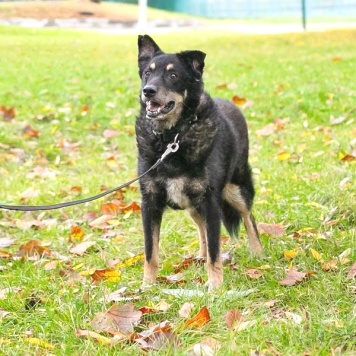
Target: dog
[{"x": 209, "y": 175}]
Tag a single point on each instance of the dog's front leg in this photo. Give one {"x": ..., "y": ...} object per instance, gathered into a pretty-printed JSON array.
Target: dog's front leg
[
  {"x": 151, "y": 218},
  {"x": 214, "y": 263}
]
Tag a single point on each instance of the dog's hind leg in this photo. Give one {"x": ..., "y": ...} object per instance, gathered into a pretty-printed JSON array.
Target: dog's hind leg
[
  {"x": 151, "y": 218},
  {"x": 241, "y": 199},
  {"x": 201, "y": 231}
]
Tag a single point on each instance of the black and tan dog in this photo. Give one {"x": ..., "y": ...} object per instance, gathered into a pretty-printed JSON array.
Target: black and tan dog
[{"x": 209, "y": 175}]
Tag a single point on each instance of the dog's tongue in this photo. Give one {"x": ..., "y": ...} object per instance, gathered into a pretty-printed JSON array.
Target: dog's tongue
[{"x": 152, "y": 106}]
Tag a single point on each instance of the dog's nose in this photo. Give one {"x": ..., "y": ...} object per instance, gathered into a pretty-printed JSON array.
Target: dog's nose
[{"x": 149, "y": 91}]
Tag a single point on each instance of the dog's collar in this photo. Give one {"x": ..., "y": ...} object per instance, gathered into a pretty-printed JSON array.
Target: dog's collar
[{"x": 169, "y": 135}]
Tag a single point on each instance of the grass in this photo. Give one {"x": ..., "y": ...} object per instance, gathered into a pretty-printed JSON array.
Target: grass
[{"x": 303, "y": 79}]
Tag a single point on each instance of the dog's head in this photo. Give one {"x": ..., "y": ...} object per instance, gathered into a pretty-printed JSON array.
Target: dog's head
[{"x": 171, "y": 83}]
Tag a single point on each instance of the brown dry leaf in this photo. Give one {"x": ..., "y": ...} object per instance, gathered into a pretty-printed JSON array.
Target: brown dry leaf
[
  {"x": 253, "y": 273},
  {"x": 7, "y": 114},
  {"x": 186, "y": 309},
  {"x": 158, "y": 337},
  {"x": 106, "y": 274},
  {"x": 5, "y": 254},
  {"x": 292, "y": 277},
  {"x": 93, "y": 335},
  {"x": 200, "y": 319},
  {"x": 117, "y": 317},
  {"x": 238, "y": 100},
  {"x": 187, "y": 262},
  {"x": 348, "y": 158},
  {"x": 33, "y": 248},
  {"x": 244, "y": 325},
  {"x": 352, "y": 272},
  {"x": 3, "y": 313},
  {"x": 266, "y": 131},
  {"x": 177, "y": 278},
  {"x": 51, "y": 265},
  {"x": 271, "y": 303},
  {"x": 81, "y": 248},
  {"x": 109, "y": 209},
  {"x": 330, "y": 265},
  {"x": 273, "y": 230},
  {"x": 76, "y": 234},
  {"x": 232, "y": 318},
  {"x": 30, "y": 132}
]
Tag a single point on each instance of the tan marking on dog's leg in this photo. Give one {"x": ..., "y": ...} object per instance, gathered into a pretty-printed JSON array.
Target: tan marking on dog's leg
[
  {"x": 201, "y": 232},
  {"x": 153, "y": 66},
  {"x": 150, "y": 269},
  {"x": 170, "y": 66},
  {"x": 232, "y": 195},
  {"x": 215, "y": 273}
]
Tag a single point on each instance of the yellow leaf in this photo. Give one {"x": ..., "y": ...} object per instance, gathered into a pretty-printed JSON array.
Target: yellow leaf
[
  {"x": 78, "y": 266},
  {"x": 91, "y": 334},
  {"x": 39, "y": 342},
  {"x": 283, "y": 156},
  {"x": 76, "y": 234},
  {"x": 316, "y": 255},
  {"x": 5, "y": 342},
  {"x": 290, "y": 254},
  {"x": 107, "y": 274},
  {"x": 130, "y": 261}
]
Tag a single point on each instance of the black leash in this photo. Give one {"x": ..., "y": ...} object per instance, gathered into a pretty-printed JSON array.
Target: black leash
[{"x": 171, "y": 148}]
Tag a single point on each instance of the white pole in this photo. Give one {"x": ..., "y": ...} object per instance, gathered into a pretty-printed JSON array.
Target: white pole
[{"x": 142, "y": 15}]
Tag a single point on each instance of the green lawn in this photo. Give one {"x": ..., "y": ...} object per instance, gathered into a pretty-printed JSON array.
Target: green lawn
[{"x": 75, "y": 96}]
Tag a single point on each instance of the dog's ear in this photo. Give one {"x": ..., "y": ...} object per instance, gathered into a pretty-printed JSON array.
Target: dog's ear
[
  {"x": 147, "y": 49},
  {"x": 195, "y": 59}
]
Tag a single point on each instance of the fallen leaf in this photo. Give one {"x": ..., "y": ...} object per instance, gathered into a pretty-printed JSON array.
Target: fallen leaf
[
  {"x": 81, "y": 248},
  {"x": 186, "y": 309},
  {"x": 271, "y": 303},
  {"x": 110, "y": 133},
  {"x": 232, "y": 318},
  {"x": 6, "y": 242},
  {"x": 101, "y": 222},
  {"x": 76, "y": 234},
  {"x": 5, "y": 254},
  {"x": 3, "y": 313},
  {"x": 283, "y": 156},
  {"x": 187, "y": 262},
  {"x": 266, "y": 131},
  {"x": 253, "y": 273},
  {"x": 117, "y": 317},
  {"x": 290, "y": 254},
  {"x": 273, "y": 230},
  {"x": 200, "y": 319},
  {"x": 130, "y": 261},
  {"x": 330, "y": 265},
  {"x": 109, "y": 209},
  {"x": 93, "y": 335},
  {"x": 238, "y": 100},
  {"x": 7, "y": 114},
  {"x": 352, "y": 272},
  {"x": 106, "y": 274},
  {"x": 316, "y": 255},
  {"x": 39, "y": 342},
  {"x": 51, "y": 265},
  {"x": 33, "y": 248},
  {"x": 177, "y": 278},
  {"x": 29, "y": 132},
  {"x": 292, "y": 277}
]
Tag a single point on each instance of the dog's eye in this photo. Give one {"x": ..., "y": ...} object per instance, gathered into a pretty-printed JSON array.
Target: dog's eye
[
  {"x": 173, "y": 76},
  {"x": 147, "y": 73}
]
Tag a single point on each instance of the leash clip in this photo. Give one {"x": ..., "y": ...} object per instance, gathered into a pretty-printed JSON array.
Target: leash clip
[{"x": 171, "y": 148}]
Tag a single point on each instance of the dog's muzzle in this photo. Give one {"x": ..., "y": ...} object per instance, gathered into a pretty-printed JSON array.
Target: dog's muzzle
[{"x": 154, "y": 107}]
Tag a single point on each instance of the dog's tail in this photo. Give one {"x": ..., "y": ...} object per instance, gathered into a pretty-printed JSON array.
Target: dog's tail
[{"x": 231, "y": 219}]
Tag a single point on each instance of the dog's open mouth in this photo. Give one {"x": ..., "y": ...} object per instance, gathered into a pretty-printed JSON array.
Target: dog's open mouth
[{"x": 154, "y": 109}]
